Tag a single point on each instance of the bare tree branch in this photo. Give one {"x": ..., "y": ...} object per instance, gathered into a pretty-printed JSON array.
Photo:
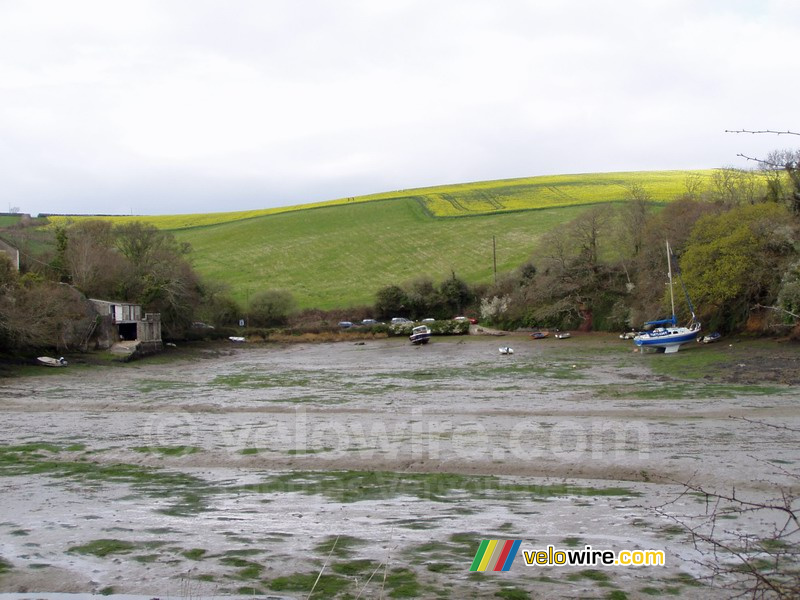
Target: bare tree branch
[
  {"x": 761, "y": 131},
  {"x": 776, "y": 308},
  {"x": 745, "y": 562},
  {"x": 762, "y": 161}
]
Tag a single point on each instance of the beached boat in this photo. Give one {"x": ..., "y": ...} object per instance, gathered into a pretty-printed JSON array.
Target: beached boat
[
  {"x": 562, "y": 335},
  {"x": 506, "y": 350},
  {"x": 540, "y": 335},
  {"x": 49, "y": 361},
  {"x": 667, "y": 335},
  {"x": 420, "y": 335},
  {"x": 710, "y": 338}
]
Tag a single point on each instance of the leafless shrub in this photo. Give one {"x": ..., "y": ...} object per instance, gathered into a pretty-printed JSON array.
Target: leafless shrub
[{"x": 745, "y": 563}]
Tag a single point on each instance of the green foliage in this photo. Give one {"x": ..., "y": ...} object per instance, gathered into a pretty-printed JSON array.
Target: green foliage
[
  {"x": 391, "y": 301},
  {"x": 789, "y": 293},
  {"x": 218, "y": 307},
  {"x": 424, "y": 300},
  {"x": 438, "y": 327},
  {"x": 59, "y": 262},
  {"x": 734, "y": 260},
  {"x": 577, "y": 284},
  {"x": 8, "y": 272},
  {"x": 271, "y": 308},
  {"x": 456, "y": 294}
]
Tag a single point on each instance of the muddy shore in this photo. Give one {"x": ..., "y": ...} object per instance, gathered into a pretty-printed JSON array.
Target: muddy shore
[{"x": 248, "y": 470}]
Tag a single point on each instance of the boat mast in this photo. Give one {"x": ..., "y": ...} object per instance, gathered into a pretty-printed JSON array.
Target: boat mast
[{"x": 671, "y": 294}]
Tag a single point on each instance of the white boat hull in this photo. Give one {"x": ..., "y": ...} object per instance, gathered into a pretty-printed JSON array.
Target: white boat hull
[
  {"x": 420, "y": 335},
  {"x": 670, "y": 338},
  {"x": 48, "y": 361}
]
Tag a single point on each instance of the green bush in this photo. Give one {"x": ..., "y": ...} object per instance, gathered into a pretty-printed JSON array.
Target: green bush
[{"x": 271, "y": 308}]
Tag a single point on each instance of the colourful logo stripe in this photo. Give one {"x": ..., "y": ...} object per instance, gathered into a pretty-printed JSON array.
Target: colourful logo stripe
[
  {"x": 495, "y": 555},
  {"x": 498, "y": 550},
  {"x": 487, "y": 555},
  {"x": 501, "y": 561},
  {"x": 479, "y": 555},
  {"x": 512, "y": 554}
]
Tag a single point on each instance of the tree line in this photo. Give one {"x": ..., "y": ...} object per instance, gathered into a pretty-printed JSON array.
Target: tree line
[{"x": 736, "y": 246}]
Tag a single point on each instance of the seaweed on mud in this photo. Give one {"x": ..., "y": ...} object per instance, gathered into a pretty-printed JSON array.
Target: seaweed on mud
[
  {"x": 187, "y": 495},
  {"x": 354, "y": 486}
]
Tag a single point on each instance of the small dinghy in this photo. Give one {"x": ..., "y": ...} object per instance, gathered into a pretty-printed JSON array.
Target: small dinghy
[
  {"x": 48, "y": 361},
  {"x": 506, "y": 350}
]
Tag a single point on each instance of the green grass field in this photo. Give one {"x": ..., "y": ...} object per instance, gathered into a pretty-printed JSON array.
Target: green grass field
[
  {"x": 340, "y": 256},
  {"x": 9, "y": 220},
  {"x": 341, "y": 252}
]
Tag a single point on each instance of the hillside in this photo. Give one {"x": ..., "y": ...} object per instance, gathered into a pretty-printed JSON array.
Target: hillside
[
  {"x": 339, "y": 256},
  {"x": 464, "y": 199},
  {"x": 341, "y": 252}
]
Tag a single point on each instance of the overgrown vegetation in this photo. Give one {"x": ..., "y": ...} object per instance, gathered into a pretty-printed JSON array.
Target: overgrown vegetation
[{"x": 736, "y": 240}]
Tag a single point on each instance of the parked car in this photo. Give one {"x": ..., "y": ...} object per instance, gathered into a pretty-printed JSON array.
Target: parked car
[
  {"x": 345, "y": 324},
  {"x": 472, "y": 320},
  {"x": 428, "y": 320},
  {"x": 400, "y": 320},
  {"x": 370, "y": 322}
]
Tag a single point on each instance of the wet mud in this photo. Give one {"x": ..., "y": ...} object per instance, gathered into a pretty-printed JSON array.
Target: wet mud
[{"x": 250, "y": 470}]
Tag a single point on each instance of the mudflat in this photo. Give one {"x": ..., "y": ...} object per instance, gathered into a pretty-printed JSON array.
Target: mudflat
[{"x": 376, "y": 469}]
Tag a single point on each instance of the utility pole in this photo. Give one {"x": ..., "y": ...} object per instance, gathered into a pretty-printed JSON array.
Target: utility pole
[{"x": 494, "y": 258}]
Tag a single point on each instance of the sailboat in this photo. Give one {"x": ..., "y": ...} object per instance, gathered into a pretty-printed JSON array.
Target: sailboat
[{"x": 667, "y": 334}]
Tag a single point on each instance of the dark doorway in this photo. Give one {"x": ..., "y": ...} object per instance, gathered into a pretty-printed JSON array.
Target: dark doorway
[{"x": 127, "y": 331}]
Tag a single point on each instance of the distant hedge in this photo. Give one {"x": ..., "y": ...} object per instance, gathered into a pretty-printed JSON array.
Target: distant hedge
[{"x": 449, "y": 327}]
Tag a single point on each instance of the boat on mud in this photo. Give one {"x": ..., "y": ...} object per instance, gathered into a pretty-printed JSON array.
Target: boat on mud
[
  {"x": 540, "y": 335},
  {"x": 667, "y": 335},
  {"x": 563, "y": 335},
  {"x": 49, "y": 361},
  {"x": 710, "y": 338},
  {"x": 420, "y": 335}
]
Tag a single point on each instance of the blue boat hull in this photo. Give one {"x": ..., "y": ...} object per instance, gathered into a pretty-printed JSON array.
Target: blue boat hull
[{"x": 667, "y": 340}]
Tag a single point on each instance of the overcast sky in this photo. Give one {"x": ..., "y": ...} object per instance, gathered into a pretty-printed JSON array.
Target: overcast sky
[{"x": 174, "y": 106}]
